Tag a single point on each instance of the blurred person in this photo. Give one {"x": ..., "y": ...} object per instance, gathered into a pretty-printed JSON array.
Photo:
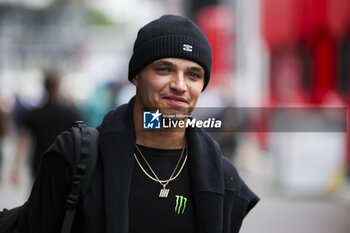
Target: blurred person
[
  {"x": 19, "y": 111},
  {"x": 3, "y": 131},
  {"x": 224, "y": 98},
  {"x": 102, "y": 100},
  {"x": 41, "y": 125},
  {"x": 173, "y": 180}
]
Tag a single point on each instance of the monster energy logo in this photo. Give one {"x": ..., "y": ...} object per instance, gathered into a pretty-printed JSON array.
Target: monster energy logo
[{"x": 180, "y": 204}]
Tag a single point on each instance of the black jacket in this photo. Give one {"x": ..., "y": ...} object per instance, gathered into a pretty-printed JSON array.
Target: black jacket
[{"x": 220, "y": 196}]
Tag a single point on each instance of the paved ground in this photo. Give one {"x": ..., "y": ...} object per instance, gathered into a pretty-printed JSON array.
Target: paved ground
[
  {"x": 278, "y": 212},
  {"x": 287, "y": 215},
  {"x": 10, "y": 195}
]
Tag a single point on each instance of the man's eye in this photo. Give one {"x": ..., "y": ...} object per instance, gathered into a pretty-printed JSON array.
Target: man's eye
[
  {"x": 194, "y": 75},
  {"x": 163, "y": 69}
]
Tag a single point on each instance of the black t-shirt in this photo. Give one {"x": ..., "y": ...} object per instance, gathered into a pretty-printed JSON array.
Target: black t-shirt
[
  {"x": 149, "y": 212},
  {"x": 45, "y": 124}
]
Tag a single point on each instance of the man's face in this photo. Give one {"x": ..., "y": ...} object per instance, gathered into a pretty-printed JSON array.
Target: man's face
[{"x": 170, "y": 84}]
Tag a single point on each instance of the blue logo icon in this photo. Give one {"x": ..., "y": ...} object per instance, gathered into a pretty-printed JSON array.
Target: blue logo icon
[{"x": 151, "y": 120}]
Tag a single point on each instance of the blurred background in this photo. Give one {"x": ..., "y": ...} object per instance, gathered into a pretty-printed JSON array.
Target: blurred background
[{"x": 267, "y": 54}]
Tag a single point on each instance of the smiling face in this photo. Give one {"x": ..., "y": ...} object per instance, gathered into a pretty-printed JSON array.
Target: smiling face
[{"x": 172, "y": 85}]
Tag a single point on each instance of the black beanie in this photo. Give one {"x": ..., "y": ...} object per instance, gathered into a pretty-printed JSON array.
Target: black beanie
[{"x": 170, "y": 36}]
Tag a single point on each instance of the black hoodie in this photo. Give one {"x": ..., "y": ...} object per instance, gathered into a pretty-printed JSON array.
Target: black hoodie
[{"x": 221, "y": 198}]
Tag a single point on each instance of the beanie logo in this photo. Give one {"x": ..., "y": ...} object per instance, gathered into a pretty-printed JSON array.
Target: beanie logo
[{"x": 187, "y": 47}]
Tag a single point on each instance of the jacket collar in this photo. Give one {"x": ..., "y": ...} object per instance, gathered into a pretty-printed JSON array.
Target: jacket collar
[
  {"x": 207, "y": 180},
  {"x": 205, "y": 159},
  {"x": 117, "y": 140}
]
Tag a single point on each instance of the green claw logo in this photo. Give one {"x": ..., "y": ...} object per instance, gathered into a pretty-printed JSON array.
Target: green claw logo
[{"x": 180, "y": 204}]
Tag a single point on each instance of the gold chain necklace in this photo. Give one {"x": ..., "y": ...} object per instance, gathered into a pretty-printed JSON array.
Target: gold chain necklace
[{"x": 163, "y": 192}]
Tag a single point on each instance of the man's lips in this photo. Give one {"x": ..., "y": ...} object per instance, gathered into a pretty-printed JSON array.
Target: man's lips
[
  {"x": 175, "y": 101},
  {"x": 175, "y": 98}
]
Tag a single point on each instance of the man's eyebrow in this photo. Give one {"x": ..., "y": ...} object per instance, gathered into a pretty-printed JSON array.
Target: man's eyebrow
[
  {"x": 162, "y": 63},
  {"x": 197, "y": 69}
]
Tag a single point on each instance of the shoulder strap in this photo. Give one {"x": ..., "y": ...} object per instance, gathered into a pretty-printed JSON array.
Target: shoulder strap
[{"x": 86, "y": 153}]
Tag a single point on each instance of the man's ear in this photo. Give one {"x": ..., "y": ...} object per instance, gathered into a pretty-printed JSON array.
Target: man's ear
[{"x": 135, "y": 80}]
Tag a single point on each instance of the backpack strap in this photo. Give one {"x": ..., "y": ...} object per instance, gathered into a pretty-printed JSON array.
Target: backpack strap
[{"x": 86, "y": 153}]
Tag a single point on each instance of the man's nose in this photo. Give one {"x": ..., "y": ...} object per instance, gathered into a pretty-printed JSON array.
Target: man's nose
[{"x": 178, "y": 82}]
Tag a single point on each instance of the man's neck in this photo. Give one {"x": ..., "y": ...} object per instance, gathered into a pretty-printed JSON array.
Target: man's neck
[{"x": 161, "y": 139}]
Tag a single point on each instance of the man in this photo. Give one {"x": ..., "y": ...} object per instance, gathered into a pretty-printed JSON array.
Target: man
[
  {"x": 172, "y": 180},
  {"x": 3, "y": 131},
  {"x": 42, "y": 125}
]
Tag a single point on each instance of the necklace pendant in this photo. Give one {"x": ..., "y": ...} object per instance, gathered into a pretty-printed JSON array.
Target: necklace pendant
[{"x": 164, "y": 193}]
